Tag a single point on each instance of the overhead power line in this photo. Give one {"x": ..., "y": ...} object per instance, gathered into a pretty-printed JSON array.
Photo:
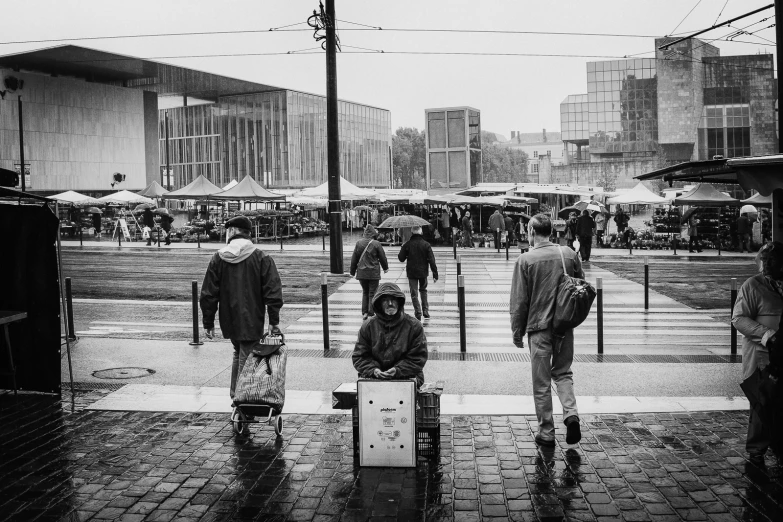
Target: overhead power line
[
  {"x": 687, "y": 15},
  {"x": 727, "y": 22}
]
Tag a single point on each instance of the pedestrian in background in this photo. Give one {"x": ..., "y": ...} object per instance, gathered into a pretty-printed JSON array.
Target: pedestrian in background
[
  {"x": 533, "y": 292},
  {"x": 366, "y": 263},
  {"x": 148, "y": 219},
  {"x": 511, "y": 235},
  {"x": 497, "y": 224},
  {"x": 467, "y": 228},
  {"x": 96, "y": 223},
  {"x": 600, "y": 227},
  {"x": 420, "y": 259},
  {"x": 570, "y": 232},
  {"x": 621, "y": 219},
  {"x": 756, "y": 316},
  {"x": 693, "y": 234},
  {"x": 744, "y": 228},
  {"x": 165, "y": 224},
  {"x": 445, "y": 224},
  {"x": 241, "y": 284},
  {"x": 585, "y": 227}
]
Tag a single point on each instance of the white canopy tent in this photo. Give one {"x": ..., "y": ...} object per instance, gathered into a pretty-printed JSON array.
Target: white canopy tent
[
  {"x": 233, "y": 183},
  {"x": 639, "y": 195},
  {"x": 125, "y": 197},
  {"x": 348, "y": 191},
  {"x": 74, "y": 198}
]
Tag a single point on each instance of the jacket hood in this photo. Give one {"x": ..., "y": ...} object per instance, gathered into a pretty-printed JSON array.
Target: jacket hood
[
  {"x": 369, "y": 232},
  {"x": 385, "y": 289},
  {"x": 237, "y": 250}
]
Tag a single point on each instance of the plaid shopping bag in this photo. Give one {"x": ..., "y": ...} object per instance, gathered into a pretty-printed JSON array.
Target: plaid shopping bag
[{"x": 262, "y": 380}]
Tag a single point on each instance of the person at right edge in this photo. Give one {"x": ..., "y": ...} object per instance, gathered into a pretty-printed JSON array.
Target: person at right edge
[
  {"x": 366, "y": 262},
  {"x": 756, "y": 316},
  {"x": 420, "y": 259},
  {"x": 533, "y": 290},
  {"x": 243, "y": 284}
]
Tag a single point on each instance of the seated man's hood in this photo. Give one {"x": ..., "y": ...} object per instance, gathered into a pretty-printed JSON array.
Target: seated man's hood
[
  {"x": 237, "y": 250},
  {"x": 385, "y": 289}
]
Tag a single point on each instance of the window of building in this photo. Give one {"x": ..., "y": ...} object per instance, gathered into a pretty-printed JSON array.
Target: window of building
[
  {"x": 724, "y": 130},
  {"x": 535, "y": 168},
  {"x": 535, "y": 153}
]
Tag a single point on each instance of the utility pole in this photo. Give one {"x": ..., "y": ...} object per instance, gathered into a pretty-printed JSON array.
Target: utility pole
[
  {"x": 326, "y": 21},
  {"x": 166, "y": 126},
  {"x": 21, "y": 144}
]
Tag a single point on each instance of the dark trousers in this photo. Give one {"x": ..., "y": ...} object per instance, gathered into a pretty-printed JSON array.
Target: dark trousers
[
  {"x": 744, "y": 242},
  {"x": 467, "y": 240},
  {"x": 419, "y": 286},
  {"x": 241, "y": 350},
  {"x": 585, "y": 247},
  {"x": 369, "y": 286},
  {"x": 758, "y": 435},
  {"x": 497, "y": 238},
  {"x": 599, "y": 238}
]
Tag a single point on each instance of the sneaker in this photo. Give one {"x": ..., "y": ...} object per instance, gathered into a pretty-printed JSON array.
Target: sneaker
[
  {"x": 547, "y": 443},
  {"x": 427, "y": 315},
  {"x": 418, "y": 316},
  {"x": 573, "y": 431}
]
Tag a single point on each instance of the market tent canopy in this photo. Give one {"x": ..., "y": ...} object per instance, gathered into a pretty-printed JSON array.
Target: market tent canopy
[
  {"x": 74, "y": 198},
  {"x": 153, "y": 190},
  {"x": 124, "y": 197},
  {"x": 348, "y": 191},
  {"x": 639, "y": 195},
  {"x": 231, "y": 184},
  {"x": 304, "y": 200},
  {"x": 705, "y": 195},
  {"x": 198, "y": 188},
  {"x": 249, "y": 190},
  {"x": 759, "y": 200}
]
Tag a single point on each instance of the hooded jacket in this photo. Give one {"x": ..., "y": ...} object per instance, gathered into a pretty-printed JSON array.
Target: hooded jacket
[
  {"x": 419, "y": 255},
  {"x": 372, "y": 261},
  {"x": 496, "y": 222},
  {"x": 385, "y": 342},
  {"x": 244, "y": 282}
]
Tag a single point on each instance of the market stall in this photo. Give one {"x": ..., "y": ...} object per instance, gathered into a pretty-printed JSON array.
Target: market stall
[
  {"x": 664, "y": 224},
  {"x": 249, "y": 191},
  {"x": 198, "y": 189},
  {"x": 714, "y": 221}
]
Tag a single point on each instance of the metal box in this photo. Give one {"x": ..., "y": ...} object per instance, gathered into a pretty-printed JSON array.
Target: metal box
[{"x": 387, "y": 423}]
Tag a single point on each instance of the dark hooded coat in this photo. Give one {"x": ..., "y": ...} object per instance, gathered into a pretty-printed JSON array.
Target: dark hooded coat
[
  {"x": 368, "y": 266},
  {"x": 385, "y": 342}
]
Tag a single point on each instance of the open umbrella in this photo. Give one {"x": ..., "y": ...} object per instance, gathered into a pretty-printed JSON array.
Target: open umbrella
[
  {"x": 94, "y": 210},
  {"x": 688, "y": 213},
  {"x": 143, "y": 206},
  {"x": 748, "y": 209},
  {"x": 161, "y": 211},
  {"x": 403, "y": 221},
  {"x": 566, "y": 211}
]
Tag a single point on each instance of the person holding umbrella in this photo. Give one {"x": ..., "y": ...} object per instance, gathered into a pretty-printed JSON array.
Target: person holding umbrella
[{"x": 148, "y": 219}]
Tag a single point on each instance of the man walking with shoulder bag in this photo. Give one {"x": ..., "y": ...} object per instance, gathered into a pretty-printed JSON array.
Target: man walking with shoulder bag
[
  {"x": 534, "y": 289},
  {"x": 418, "y": 253}
]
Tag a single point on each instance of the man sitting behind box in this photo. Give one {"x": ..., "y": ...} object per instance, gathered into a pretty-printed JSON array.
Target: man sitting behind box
[{"x": 392, "y": 344}]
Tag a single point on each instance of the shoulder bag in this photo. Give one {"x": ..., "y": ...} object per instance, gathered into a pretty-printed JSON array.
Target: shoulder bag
[
  {"x": 573, "y": 300},
  {"x": 362, "y": 257}
]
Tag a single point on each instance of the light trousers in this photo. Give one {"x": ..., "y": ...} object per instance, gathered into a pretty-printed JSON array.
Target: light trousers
[{"x": 551, "y": 357}]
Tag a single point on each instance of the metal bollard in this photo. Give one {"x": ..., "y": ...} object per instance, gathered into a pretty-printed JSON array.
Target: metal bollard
[
  {"x": 459, "y": 265},
  {"x": 733, "y": 302},
  {"x": 599, "y": 289},
  {"x": 158, "y": 238},
  {"x": 454, "y": 244},
  {"x": 497, "y": 239},
  {"x": 646, "y": 283},
  {"x": 81, "y": 238},
  {"x": 119, "y": 236},
  {"x": 282, "y": 232},
  {"x": 507, "y": 245},
  {"x": 69, "y": 309},
  {"x": 198, "y": 238},
  {"x": 461, "y": 306},
  {"x": 196, "y": 341},
  {"x": 674, "y": 245},
  {"x": 323, "y": 241},
  {"x": 325, "y": 309}
]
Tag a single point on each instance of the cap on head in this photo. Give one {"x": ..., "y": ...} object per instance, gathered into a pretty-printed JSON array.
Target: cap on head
[{"x": 239, "y": 222}]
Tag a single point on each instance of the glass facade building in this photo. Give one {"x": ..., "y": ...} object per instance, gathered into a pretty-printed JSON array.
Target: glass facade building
[
  {"x": 453, "y": 148},
  {"x": 277, "y": 137},
  {"x": 574, "y": 119}
]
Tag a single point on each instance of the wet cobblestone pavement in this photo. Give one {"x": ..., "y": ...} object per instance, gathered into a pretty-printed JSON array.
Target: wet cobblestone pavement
[{"x": 59, "y": 463}]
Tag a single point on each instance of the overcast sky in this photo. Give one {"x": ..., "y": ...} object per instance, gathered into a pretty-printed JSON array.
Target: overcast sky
[{"x": 513, "y": 92}]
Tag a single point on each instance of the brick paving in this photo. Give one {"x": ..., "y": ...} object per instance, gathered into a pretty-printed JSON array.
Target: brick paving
[{"x": 61, "y": 462}]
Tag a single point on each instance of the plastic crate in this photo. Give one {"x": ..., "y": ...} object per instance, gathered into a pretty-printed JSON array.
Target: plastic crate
[
  {"x": 428, "y": 442},
  {"x": 428, "y": 410}
]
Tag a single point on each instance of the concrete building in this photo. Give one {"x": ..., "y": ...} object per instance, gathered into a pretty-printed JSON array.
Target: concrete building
[
  {"x": 453, "y": 148},
  {"x": 687, "y": 103},
  {"x": 89, "y": 114}
]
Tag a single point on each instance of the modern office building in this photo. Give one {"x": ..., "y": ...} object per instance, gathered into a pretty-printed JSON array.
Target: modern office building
[
  {"x": 89, "y": 114},
  {"x": 453, "y": 148},
  {"x": 687, "y": 103}
]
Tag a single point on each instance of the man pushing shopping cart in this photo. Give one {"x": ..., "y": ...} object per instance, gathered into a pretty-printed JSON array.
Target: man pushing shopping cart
[{"x": 242, "y": 285}]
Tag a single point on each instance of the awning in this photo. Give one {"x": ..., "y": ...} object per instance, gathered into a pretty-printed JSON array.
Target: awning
[
  {"x": 639, "y": 195},
  {"x": 705, "y": 195},
  {"x": 125, "y": 197},
  {"x": 249, "y": 190},
  {"x": 348, "y": 191},
  {"x": 74, "y": 198},
  {"x": 153, "y": 190},
  {"x": 200, "y": 187},
  {"x": 758, "y": 200}
]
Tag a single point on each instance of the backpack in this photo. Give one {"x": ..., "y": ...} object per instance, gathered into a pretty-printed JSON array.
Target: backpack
[{"x": 572, "y": 302}]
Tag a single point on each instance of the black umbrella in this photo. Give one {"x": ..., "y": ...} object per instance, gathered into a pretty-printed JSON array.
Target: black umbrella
[
  {"x": 161, "y": 211},
  {"x": 94, "y": 210},
  {"x": 564, "y": 212},
  {"x": 143, "y": 206}
]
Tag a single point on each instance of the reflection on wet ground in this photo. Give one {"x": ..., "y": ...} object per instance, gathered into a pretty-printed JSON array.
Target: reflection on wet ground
[{"x": 64, "y": 463}]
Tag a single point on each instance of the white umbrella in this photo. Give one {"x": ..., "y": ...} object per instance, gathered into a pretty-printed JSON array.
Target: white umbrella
[
  {"x": 74, "y": 198},
  {"x": 125, "y": 197},
  {"x": 748, "y": 209}
]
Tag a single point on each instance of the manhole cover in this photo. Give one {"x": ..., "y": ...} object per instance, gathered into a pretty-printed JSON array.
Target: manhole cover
[{"x": 122, "y": 373}]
